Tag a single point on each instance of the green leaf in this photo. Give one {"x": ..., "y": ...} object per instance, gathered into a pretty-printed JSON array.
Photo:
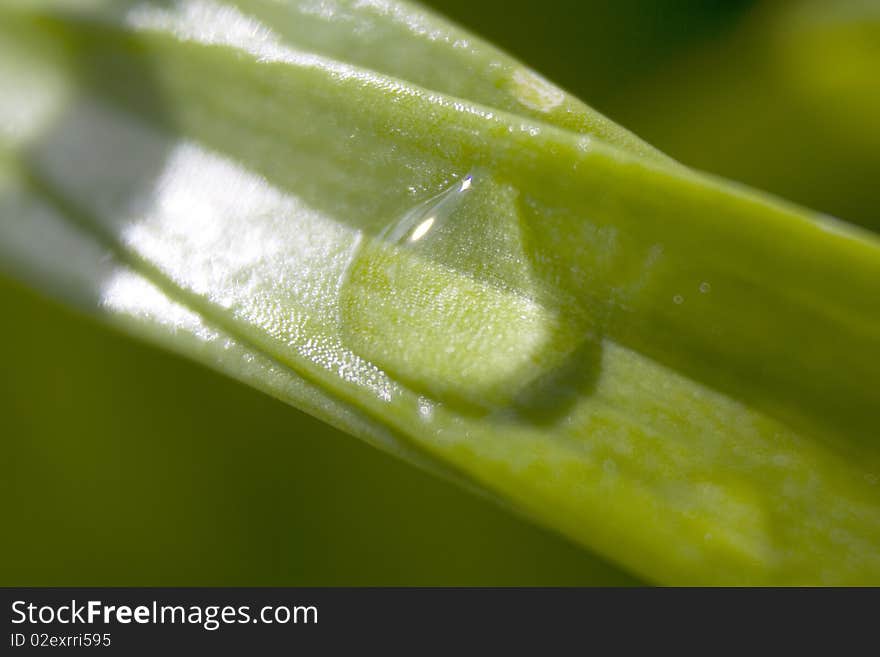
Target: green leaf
[
  {"x": 126, "y": 465},
  {"x": 363, "y": 211}
]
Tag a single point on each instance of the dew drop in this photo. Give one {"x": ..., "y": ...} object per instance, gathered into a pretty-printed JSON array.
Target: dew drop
[
  {"x": 443, "y": 299},
  {"x": 678, "y": 299},
  {"x": 426, "y": 408},
  {"x": 705, "y": 287}
]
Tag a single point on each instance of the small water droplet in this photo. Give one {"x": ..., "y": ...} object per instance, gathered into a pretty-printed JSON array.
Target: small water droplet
[
  {"x": 678, "y": 299},
  {"x": 426, "y": 408},
  {"x": 705, "y": 287}
]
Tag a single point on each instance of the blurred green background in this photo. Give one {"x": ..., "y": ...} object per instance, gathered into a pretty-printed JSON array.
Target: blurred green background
[{"x": 126, "y": 465}]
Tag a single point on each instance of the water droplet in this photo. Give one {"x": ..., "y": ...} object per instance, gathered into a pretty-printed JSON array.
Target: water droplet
[
  {"x": 678, "y": 299},
  {"x": 444, "y": 300},
  {"x": 426, "y": 408},
  {"x": 705, "y": 287}
]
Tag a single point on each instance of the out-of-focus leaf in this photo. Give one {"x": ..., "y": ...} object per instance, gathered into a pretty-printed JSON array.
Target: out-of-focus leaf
[
  {"x": 788, "y": 103},
  {"x": 472, "y": 271}
]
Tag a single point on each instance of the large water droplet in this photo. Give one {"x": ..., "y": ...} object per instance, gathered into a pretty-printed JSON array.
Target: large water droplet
[{"x": 444, "y": 299}]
